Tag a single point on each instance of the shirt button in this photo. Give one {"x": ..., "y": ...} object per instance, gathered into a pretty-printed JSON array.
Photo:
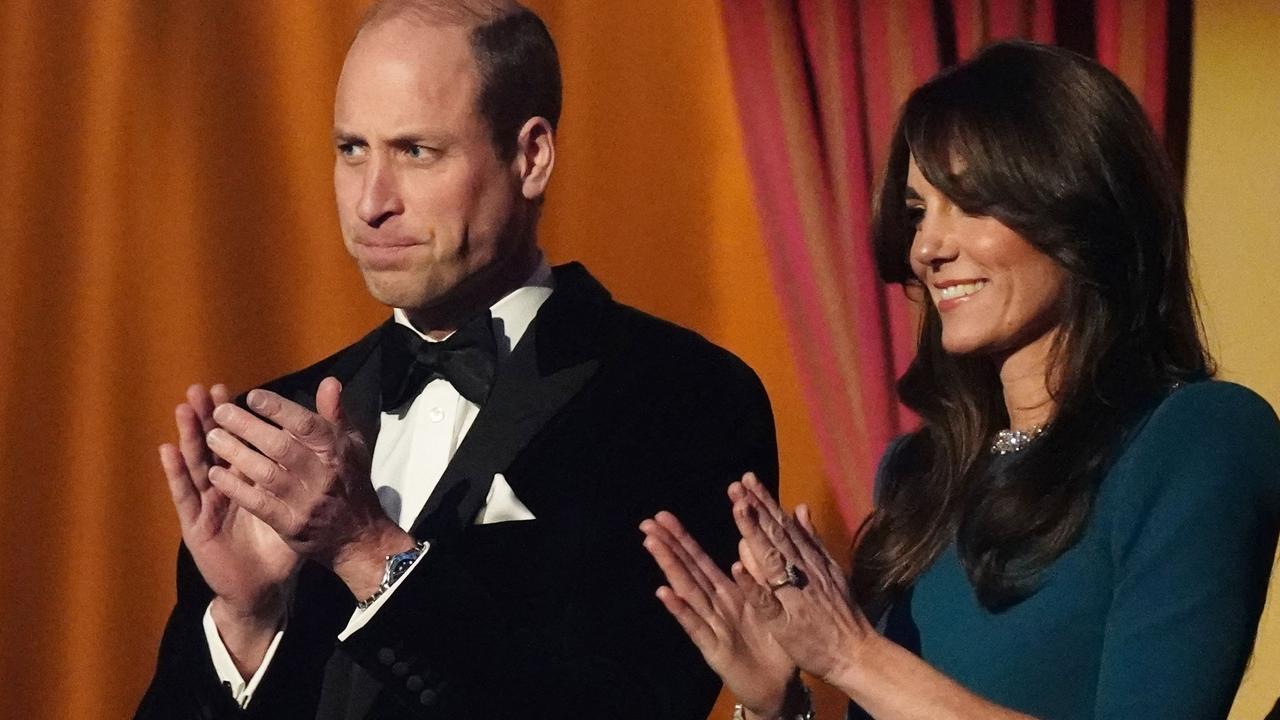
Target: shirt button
[{"x": 436, "y": 414}]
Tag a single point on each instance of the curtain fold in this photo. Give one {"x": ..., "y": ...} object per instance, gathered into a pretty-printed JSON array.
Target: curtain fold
[
  {"x": 818, "y": 84},
  {"x": 167, "y": 217}
]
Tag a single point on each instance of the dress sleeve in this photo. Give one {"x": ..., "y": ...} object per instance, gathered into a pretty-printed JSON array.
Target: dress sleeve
[{"x": 1192, "y": 521}]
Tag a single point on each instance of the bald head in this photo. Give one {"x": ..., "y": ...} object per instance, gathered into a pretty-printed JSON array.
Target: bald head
[
  {"x": 465, "y": 13},
  {"x": 515, "y": 57}
]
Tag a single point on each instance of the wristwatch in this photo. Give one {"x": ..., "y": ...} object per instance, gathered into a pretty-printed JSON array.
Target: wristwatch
[
  {"x": 396, "y": 566},
  {"x": 740, "y": 713}
]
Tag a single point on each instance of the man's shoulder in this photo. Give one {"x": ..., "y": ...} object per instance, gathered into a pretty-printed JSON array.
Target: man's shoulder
[
  {"x": 645, "y": 343},
  {"x": 661, "y": 341},
  {"x": 341, "y": 364}
]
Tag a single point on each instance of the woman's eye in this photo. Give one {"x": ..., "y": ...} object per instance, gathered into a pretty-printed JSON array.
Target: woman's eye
[{"x": 915, "y": 214}]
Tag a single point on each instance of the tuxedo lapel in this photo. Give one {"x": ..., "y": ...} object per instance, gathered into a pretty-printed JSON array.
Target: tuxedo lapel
[
  {"x": 362, "y": 396},
  {"x": 552, "y": 362},
  {"x": 554, "y": 359},
  {"x": 358, "y": 367}
]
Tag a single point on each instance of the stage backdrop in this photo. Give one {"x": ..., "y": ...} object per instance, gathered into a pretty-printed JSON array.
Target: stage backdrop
[{"x": 166, "y": 217}]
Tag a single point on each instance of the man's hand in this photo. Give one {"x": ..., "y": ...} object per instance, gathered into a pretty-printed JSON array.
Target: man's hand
[
  {"x": 244, "y": 561},
  {"x": 309, "y": 480}
]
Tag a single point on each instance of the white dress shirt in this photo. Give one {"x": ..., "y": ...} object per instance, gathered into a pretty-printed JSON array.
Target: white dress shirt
[{"x": 415, "y": 444}]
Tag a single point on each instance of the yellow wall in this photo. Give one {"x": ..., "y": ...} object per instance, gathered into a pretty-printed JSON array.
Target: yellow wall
[{"x": 1233, "y": 192}]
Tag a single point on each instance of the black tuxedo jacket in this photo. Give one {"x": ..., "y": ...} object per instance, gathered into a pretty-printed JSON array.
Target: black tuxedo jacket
[{"x": 600, "y": 417}]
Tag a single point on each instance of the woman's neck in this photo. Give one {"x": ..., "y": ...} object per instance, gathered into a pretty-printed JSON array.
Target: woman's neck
[{"x": 1024, "y": 378}]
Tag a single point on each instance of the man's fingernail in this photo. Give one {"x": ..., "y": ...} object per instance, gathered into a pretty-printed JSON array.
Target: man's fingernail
[
  {"x": 216, "y": 435},
  {"x": 257, "y": 400}
]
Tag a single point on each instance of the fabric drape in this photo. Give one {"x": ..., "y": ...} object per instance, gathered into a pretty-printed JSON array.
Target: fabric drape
[
  {"x": 167, "y": 217},
  {"x": 818, "y": 84}
]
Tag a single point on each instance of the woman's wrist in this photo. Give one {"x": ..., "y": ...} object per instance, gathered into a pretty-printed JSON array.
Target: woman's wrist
[
  {"x": 796, "y": 704},
  {"x": 850, "y": 673}
]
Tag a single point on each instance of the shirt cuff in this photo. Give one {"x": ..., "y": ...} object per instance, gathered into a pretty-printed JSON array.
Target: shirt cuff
[
  {"x": 226, "y": 667},
  {"x": 360, "y": 617}
]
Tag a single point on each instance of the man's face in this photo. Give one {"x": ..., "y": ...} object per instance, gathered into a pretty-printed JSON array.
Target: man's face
[{"x": 426, "y": 205}]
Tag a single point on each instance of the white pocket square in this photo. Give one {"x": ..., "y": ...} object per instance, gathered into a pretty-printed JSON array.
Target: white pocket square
[{"x": 502, "y": 505}]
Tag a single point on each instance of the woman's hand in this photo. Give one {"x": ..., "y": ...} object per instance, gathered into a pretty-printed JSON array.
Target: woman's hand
[
  {"x": 800, "y": 592},
  {"x": 714, "y": 612}
]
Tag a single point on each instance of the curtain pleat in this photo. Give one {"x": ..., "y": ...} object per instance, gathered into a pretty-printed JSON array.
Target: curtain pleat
[{"x": 818, "y": 85}]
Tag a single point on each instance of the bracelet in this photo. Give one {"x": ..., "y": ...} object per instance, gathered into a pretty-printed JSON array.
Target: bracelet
[
  {"x": 397, "y": 565},
  {"x": 740, "y": 713}
]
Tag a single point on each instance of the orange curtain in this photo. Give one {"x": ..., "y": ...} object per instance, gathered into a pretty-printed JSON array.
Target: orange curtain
[{"x": 166, "y": 216}]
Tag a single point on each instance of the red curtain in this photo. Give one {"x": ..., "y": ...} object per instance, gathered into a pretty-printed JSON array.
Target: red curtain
[{"x": 818, "y": 84}]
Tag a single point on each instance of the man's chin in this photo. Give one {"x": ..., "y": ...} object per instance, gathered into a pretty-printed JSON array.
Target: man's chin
[{"x": 400, "y": 289}]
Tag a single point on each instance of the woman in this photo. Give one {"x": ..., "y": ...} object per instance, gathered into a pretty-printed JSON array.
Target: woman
[{"x": 1085, "y": 524}]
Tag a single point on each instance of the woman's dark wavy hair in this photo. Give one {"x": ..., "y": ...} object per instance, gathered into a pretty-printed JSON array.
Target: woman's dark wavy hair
[{"x": 1055, "y": 147}]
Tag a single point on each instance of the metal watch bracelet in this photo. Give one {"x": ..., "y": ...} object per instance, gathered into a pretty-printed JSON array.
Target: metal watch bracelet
[{"x": 397, "y": 565}]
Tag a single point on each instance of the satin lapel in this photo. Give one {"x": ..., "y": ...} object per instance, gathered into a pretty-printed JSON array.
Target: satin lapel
[
  {"x": 553, "y": 361},
  {"x": 362, "y": 397},
  {"x": 358, "y": 367}
]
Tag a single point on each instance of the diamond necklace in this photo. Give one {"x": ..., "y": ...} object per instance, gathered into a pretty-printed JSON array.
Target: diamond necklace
[{"x": 1012, "y": 441}]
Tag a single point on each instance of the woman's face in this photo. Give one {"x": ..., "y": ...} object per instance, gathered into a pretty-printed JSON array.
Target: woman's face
[{"x": 994, "y": 292}]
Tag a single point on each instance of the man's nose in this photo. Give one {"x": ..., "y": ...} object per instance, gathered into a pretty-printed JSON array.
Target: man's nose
[{"x": 380, "y": 197}]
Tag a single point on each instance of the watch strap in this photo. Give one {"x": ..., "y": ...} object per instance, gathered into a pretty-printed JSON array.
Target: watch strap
[{"x": 396, "y": 566}]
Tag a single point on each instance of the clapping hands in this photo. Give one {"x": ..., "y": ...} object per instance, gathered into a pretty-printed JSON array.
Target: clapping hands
[
  {"x": 787, "y": 606},
  {"x": 715, "y": 613},
  {"x": 256, "y": 495}
]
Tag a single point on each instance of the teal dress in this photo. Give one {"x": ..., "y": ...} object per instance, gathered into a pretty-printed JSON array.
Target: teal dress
[{"x": 1152, "y": 613}]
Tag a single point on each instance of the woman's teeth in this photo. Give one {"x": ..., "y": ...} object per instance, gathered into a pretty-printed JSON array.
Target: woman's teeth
[{"x": 955, "y": 291}]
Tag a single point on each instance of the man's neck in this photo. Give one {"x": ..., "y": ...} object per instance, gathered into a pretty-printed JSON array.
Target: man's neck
[{"x": 441, "y": 320}]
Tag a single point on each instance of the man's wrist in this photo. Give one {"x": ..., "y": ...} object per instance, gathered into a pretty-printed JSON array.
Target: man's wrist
[
  {"x": 246, "y": 635},
  {"x": 361, "y": 564},
  {"x": 257, "y": 616}
]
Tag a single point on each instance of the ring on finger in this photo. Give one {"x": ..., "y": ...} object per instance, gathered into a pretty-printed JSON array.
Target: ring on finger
[{"x": 792, "y": 576}]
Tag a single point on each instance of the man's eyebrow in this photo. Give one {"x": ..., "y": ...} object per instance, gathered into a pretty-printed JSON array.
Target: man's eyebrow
[
  {"x": 418, "y": 138},
  {"x": 347, "y": 137}
]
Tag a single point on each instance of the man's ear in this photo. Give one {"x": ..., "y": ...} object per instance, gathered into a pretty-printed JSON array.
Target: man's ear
[{"x": 535, "y": 156}]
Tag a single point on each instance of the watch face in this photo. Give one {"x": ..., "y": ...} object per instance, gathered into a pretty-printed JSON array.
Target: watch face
[
  {"x": 397, "y": 564},
  {"x": 401, "y": 562}
]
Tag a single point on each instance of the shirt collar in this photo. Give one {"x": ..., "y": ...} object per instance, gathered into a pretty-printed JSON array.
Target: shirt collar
[{"x": 513, "y": 313}]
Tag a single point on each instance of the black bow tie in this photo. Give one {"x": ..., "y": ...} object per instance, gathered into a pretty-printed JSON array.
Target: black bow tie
[{"x": 466, "y": 359}]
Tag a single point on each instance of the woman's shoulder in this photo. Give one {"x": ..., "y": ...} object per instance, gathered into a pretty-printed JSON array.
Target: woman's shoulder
[
  {"x": 1204, "y": 438},
  {"x": 1206, "y": 415},
  {"x": 1223, "y": 400}
]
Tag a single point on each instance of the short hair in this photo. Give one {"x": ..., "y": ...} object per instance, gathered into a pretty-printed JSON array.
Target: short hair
[
  {"x": 1055, "y": 147},
  {"x": 514, "y": 53}
]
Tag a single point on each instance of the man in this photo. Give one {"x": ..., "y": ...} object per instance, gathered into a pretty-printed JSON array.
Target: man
[{"x": 441, "y": 519}]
